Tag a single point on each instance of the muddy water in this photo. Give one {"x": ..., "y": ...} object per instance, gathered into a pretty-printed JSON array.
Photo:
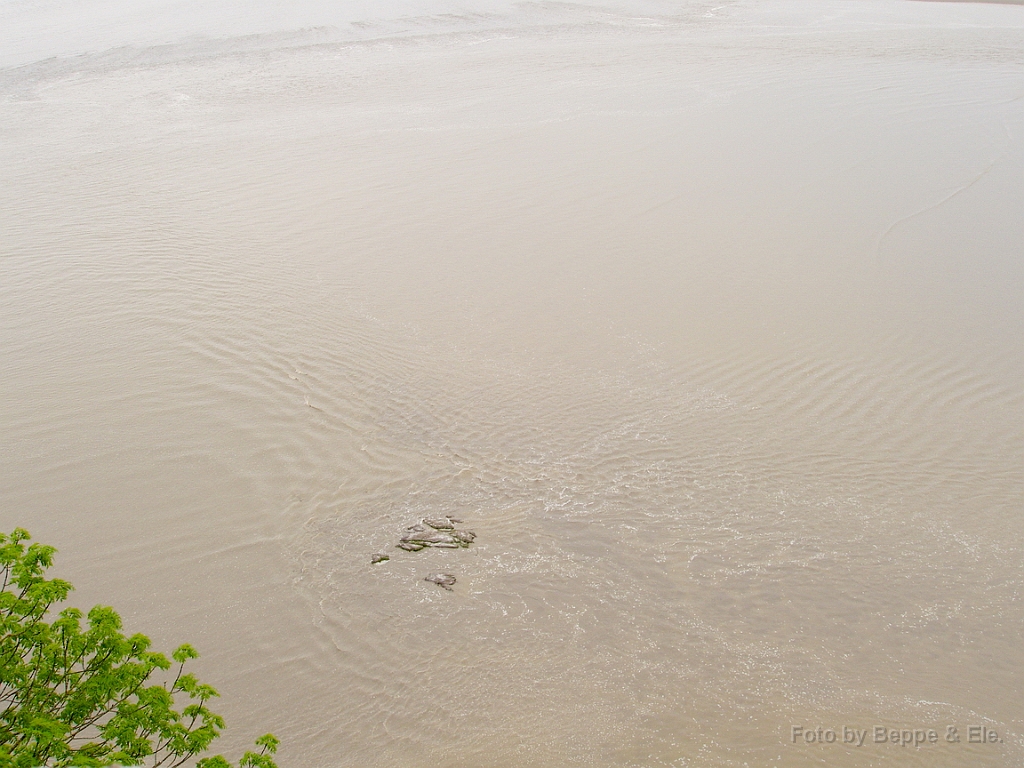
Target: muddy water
[{"x": 707, "y": 319}]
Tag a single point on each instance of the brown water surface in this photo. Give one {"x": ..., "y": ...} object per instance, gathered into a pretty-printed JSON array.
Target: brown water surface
[{"x": 708, "y": 319}]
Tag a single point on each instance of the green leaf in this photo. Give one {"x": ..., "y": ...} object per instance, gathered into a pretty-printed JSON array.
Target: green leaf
[{"x": 84, "y": 695}]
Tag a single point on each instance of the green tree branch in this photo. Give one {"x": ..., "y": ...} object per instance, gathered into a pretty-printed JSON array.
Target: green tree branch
[{"x": 78, "y": 696}]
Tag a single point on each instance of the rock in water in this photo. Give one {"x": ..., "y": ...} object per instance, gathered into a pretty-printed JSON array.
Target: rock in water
[
  {"x": 433, "y": 537},
  {"x": 444, "y": 580},
  {"x": 441, "y": 523},
  {"x": 435, "y": 532},
  {"x": 374, "y": 559}
]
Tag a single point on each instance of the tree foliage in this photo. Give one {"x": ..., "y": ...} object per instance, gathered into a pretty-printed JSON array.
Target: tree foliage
[{"x": 75, "y": 691}]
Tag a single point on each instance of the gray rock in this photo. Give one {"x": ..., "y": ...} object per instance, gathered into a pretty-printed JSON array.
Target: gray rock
[
  {"x": 444, "y": 580},
  {"x": 431, "y": 537},
  {"x": 374, "y": 559},
  {"x": 437, "y": 532},
  {"x": 440, "y": 523}
]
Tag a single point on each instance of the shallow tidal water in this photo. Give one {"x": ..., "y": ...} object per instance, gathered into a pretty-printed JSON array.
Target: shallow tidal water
[{"x": 707, "y": 318}]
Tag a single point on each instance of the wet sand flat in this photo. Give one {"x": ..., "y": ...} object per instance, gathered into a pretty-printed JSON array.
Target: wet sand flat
[{"x": 706, "y": 319}]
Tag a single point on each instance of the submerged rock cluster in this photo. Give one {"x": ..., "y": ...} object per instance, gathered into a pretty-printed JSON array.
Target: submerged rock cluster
[
  {"x": 435, "y": 532},
  {"x": 438, "y": 532}
]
